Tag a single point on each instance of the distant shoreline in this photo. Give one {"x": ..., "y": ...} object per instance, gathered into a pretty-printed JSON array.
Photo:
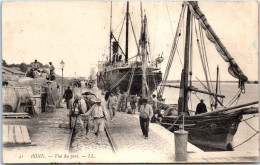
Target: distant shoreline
[{"x": 248, "y": 82}]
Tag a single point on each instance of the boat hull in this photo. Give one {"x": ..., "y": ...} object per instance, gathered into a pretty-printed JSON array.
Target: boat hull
[
  {"x": 209, "y": 133},
  {"x": 121, "y": 78}
]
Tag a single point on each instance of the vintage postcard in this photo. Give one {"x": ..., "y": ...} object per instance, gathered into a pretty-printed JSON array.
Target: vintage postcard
[{"x": 130, "y": 82}]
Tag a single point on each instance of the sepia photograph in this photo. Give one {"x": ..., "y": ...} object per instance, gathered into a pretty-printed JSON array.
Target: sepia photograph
[{"x": 130, "y": 82}]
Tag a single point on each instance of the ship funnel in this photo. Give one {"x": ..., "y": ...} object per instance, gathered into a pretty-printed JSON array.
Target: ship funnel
[{"x": 115, "y": 47}]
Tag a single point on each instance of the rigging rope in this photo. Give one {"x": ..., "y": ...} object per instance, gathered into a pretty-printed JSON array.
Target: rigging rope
[
  {"x": 155, "y": 27},
  {"x": 256, "y": 132},
  {"x": 121, "y": 29},
  {"x": 233, "y": 68},
  {"x": 202, "y": 44},
  {"x": 172, "y": 32},
  {"x": 169, "y": 128},
  {"x": 118, "y": 25},
  {"x": 236, "y": 97},
  {"x": 119, "y": 81},
  {"x": 251, "y": 117},
  {"x": 250, "y": 125},
  {"x": 205, "y": 56},
  {"x": 246, "y": 140},
  {"x": 134, "y": 33},
  {"x": 173, "y": 49},
  {"x": 169, "y": 17},
  {"x": 131, "y": 79},
  {"x": 179, "y": 55},
  {"x": 204, "y": 62}
]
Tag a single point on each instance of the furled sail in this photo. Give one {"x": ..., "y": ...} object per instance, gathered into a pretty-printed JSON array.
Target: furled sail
[{"x": 233, "y": 69}]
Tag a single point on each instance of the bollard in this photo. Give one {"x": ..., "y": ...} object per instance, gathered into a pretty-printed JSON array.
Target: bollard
[{"x": 181, "y": 140}]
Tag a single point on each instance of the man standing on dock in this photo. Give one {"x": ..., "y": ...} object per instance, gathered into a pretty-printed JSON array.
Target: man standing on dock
[
  {"x": 112, "y": 105},
  {"x": 52, "y": 68},
  {"x": 146, "y": 114},
  {"x": 154, "y": 99},
  {"x": 68, "y": 96},
  {"x": 133, "y": 102},
  {"x": 43, "y": 97},
  {"x": 99, "y": 113}
]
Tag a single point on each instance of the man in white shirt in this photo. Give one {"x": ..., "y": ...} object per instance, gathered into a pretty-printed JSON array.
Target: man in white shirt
[
  {"x": 154, "y": 102},
  {"x": 146, "y": 114},
  {"x": 99, "y": 113},
  {"x": 112, "y": 105}
]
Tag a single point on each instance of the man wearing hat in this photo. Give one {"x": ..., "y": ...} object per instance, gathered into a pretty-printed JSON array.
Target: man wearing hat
[
  {"x": 99, "y": 114},
  {"x": 201, "y": 108},
  {"x": 79, "y": 107},
  {"x": 146, "y": 114},
  {"x": 68, "y": 96},
  {"x": 50, "y": 99},
  {"x": 154, "y": 99}
]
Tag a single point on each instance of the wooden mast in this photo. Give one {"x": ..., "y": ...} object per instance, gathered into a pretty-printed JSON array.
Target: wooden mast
[
  {"x": 110, "y": 34},
  {"x": 143, "y": 52},
  {"x": 183, "y": 96},
  {"x": 216, "y": 102},
  {"x": 127, "y": 25}
]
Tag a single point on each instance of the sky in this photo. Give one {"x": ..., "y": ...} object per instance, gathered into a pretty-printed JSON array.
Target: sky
[{"x": 77, "y": 32}]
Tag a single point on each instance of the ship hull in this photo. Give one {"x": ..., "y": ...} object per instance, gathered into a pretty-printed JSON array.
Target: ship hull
[
  {"x": 119, "y": 79},
  {"x": 209, "y": 133}
]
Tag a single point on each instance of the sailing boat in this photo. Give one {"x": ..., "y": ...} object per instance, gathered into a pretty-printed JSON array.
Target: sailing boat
[
  {"x": 121, "y": 73},
  {"x": 212, "y": 130}
]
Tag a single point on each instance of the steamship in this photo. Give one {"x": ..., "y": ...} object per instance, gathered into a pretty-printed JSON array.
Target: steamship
[{"x": 137, "y": 75}]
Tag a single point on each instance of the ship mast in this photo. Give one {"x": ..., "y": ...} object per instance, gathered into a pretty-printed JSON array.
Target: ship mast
[
  {"x": 126, "y": 38},
  {"x": 143, "y": 55},
  {"x": 216, "y": 97},
  {"x": 183, "y": 96},
  {"x": 110, "y": 34}
]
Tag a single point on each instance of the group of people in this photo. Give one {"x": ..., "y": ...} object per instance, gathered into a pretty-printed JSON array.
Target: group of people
[
  {"x": 144, "y": 108},
  {"x": 37, "y": 72},
  {"x": 147, "y": 109},
  {"x": 97, "y": 113}
]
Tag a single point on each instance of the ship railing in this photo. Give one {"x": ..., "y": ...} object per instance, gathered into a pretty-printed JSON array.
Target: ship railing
[{"x": 130, "y": 63}]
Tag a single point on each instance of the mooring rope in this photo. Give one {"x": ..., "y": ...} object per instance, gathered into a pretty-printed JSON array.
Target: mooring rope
[
  {"x": 246, "y": 140},
  {"x": 256, "y": 132}
]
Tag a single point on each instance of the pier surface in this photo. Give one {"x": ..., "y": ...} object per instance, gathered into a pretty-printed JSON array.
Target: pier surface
[
  {"x": 127, "y": 135},
  {"x": 160, "y": 148}
]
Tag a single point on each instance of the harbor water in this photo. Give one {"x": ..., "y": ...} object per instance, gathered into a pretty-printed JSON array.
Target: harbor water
[{"x": 229, "y": 90}]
